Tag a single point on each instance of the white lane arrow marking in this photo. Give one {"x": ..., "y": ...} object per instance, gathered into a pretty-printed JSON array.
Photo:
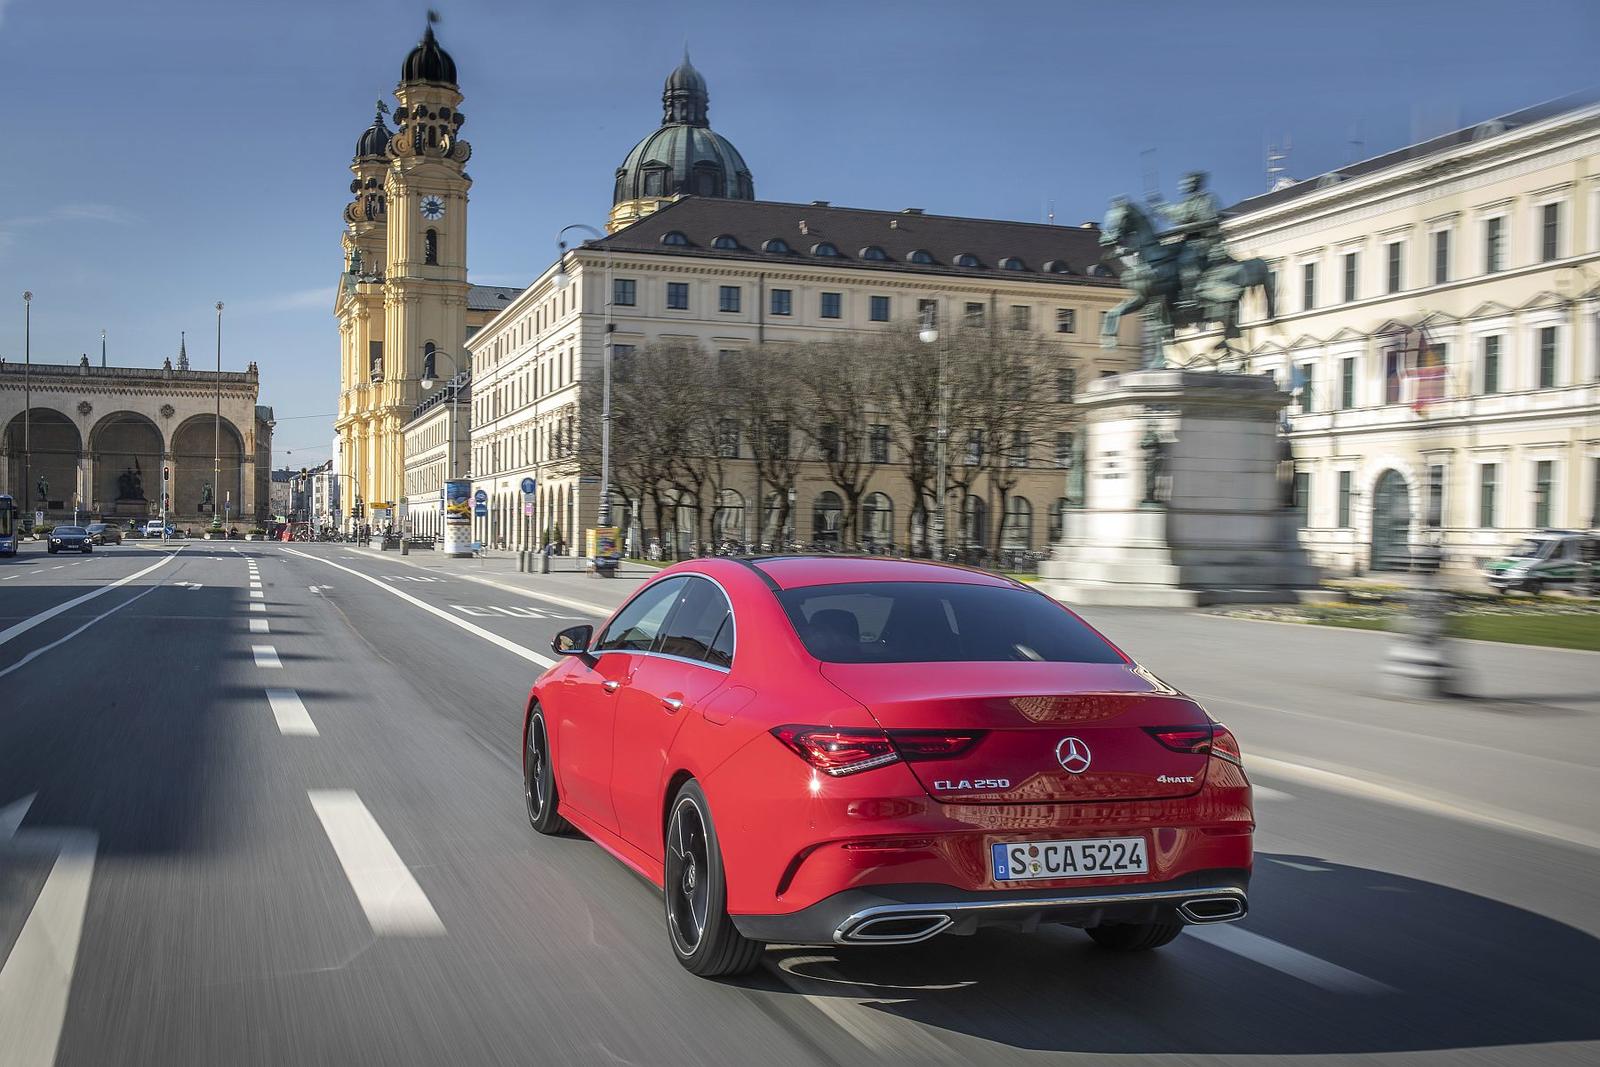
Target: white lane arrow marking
[{"x": 36, "y": 978}]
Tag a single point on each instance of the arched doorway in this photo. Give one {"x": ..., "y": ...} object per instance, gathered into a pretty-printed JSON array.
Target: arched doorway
[
  {"x": 200, "y": 454},
  {"x": 729, "y": 522},
  {"x": 1391, "y": 523},
  {"x": 877, "y": 520},
  {"x": 52, "y": 449},
  {"x": 827, "y": 513},
  {"x": 126, "y": 449}
]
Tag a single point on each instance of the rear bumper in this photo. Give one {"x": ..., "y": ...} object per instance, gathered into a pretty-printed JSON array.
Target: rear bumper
[{"x": 903, "y": 914}]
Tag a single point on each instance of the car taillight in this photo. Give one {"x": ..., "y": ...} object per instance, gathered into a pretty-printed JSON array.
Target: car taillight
[
  {"x": 1193, "y": 739},
  {"x": 838, "y": 751},
  {"x": 1225, "y": 746},
  {"x": 842, "y": 751}
]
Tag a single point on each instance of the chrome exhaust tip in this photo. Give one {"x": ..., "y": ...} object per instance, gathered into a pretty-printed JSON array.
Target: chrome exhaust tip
[
  {"x": 896, "y": 929},
  {"x": 1220, "y": 909}
]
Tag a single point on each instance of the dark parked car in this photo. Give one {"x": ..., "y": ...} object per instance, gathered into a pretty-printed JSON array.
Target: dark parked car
[
  {"x": 70, "y": 539},
  {"x": 104, "y": 533}
]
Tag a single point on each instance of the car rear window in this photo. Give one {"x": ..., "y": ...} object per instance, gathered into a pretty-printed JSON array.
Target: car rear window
[{"x": 936, "y": 622}]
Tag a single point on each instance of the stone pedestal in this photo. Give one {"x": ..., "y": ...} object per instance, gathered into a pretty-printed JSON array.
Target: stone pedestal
[{"x": 1220, "y": 533}]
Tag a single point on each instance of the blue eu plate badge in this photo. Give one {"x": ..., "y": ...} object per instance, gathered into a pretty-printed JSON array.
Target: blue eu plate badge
[{"x": 1002, "y": 864}]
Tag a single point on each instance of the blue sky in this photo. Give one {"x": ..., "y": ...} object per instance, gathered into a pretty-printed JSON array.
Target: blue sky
[{"x": 160, "y": 157}]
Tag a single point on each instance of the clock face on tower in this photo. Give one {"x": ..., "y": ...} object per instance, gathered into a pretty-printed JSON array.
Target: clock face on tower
[{"x": 432, "y": 208}]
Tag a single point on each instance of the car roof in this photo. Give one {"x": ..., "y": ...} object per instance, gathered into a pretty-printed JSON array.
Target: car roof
[{"x": 793, "y": 572}]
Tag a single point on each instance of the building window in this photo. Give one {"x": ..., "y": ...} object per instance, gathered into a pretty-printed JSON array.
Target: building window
[
  {"x": 1434, "y": 516},
  {"x": 674, "y": 237},
  {"x": 375, "y": 360},
  {"x": 1549, "y": 232},
  {"x": 1344, "y": 499},
  {"x": 967, "y": 259},
  {"x": 1347, "y": 382},
  {"x": 1302, "y": 497},
  {"x": 1021, "y": 317},
  {"x": 678, "y": 296},
  {"x": 975, "y": 448},
  {"x": 1396, "y": 267},
  {"x": 1441, "y": 257},
  {"x": 1547, "y": 357},
  {"x": 430, "y": 248},
  {"x": 878, "y": 443},
  {"x": 828, "y": 441},
  {"x": 783, "y": 302},
  {"x": 1066, "y": 320},
  {"x": 1021, "y": 448},
  {"x": 778, "y": 439},
  {"x": 624, "y": 292},
  {"x": 775, "y": 244},
  {"x": 1352, "y": 264},
  {"x": 1307, "y": 380},
  {"x": 1272, "y": 286},
  {"x": 1308, "y": 286},
  {"x": 1393, "y": 375},
  {"x": 728, "y": 438},
  {"x": 1063, "y": 449},
  {"x": 1491, "y": 364},
  {"x": 830, "y": 305},
  {"x": 824, "y": 248},
  {"x": 1066, "y": 386},
  {"x": 880, "y": 309},
  {"x": 1012, "y": 263},
  {"x": 974, "y": 315},
  {"x": 920, "y": 255},
  {"x": 1494, "y": 239},
  {"x": 724, "y": 241},
  {"x": 728, "y": 298},
  {"x": 1488, "y": 487},
  {"x": 621, "y": 362},
  {"x": 874, "y": 253},
  {"x": 1544, "y": 473}
]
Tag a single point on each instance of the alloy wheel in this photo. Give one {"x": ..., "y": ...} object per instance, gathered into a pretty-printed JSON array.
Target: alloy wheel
[
  {"x": 688, "y": 875},
  {"x": 533, "y": 763}
]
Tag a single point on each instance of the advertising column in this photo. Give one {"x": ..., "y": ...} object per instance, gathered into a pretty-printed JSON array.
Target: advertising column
[{"x": 458, "y": 518}]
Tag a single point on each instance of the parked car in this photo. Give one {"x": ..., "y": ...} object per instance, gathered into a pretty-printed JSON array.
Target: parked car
[
  {"x": 69, "y": 539},
  {"x": 104, "y": 533},
  {"x": 1552, "y": 557},
  {"x": 866, "y": 751},
  {"x": 153, "y": 528}
]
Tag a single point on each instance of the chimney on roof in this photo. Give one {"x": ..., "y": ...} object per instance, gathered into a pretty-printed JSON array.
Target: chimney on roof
[
  {"x": 819, "y": 203},
  {"x": 911, "y": 211}
]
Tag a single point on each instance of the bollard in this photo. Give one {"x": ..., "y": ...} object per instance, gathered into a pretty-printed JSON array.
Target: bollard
[
  {"x": 405, "y": 547},
  {"x": 544, "y": 563}
]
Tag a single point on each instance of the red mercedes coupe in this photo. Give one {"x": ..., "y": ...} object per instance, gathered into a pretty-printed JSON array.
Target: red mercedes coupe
[{"x": 859, "y": 751}]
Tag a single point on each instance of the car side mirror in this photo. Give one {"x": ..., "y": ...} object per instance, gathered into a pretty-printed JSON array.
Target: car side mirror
[{"x": 573, "y": 641}]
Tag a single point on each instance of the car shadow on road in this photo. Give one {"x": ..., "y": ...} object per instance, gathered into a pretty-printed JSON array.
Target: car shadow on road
[{"x": 1444, "y": 969}]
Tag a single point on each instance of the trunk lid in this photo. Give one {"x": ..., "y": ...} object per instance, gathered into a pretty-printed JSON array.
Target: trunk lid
[{"x": 1052, "y": 732}]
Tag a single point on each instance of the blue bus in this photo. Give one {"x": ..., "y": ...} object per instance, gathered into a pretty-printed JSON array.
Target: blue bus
[{"x": 8, "y": 525}]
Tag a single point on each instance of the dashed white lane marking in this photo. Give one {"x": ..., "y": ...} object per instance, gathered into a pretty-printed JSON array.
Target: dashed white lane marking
[
  {"x": 256, "y": 594},
  {"x": 259, "y": 626},
  {"x": 266, "y": 656},
  {"x": 44, "y": 616},
  {"x": 384, "y": 886},
  {"x": 1285, "y": 960},
  {"x": 258, "y": 607},
  {"x": 58, "y": 566},
  {"x": 1308, "y": 867},
  {"x": 255, "y": 585},
  {"x": 290, "y": 711},
  {"x": 11, "y": 576},
  {"x": 494, "y": 639},
  {"x": 1261, "y": 792},
  {"x": 37, "y": 976}
]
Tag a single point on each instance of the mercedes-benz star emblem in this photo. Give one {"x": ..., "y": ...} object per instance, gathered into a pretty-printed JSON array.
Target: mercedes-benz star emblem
[{"x": 1073, "y": 754}]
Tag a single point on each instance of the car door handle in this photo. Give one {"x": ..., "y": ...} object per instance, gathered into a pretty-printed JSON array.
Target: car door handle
[
  {"x": 672, "y": 703},
  {"x": 611, "y": 685}
]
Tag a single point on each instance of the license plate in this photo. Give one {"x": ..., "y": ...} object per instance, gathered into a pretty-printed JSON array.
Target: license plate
[{"x": 1094, "y": 857}]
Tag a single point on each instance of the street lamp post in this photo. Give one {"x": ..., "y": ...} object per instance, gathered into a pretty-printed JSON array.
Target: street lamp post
[
  {"x": 216, "y": 427},
  {"x": 27, "y": 399},
  {"x": 561, "y": 280},
  {"x": 430, "y": 378},
  {"x": 929, "y": 334}
]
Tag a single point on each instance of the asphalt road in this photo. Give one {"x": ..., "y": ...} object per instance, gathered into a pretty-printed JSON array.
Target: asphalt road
[{"x": 287, "y": 828}]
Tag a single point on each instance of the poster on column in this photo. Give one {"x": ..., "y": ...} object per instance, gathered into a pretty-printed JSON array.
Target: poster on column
[{"x": 458, "y": 517}]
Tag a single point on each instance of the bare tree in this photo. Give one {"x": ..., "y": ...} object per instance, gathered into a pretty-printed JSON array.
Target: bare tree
[
  {"x": 843, "y": 395},
  {"x": 767, "y": 402}
]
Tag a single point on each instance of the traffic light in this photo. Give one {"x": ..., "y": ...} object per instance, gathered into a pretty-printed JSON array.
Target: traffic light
[{"x": 166, "y": 473}]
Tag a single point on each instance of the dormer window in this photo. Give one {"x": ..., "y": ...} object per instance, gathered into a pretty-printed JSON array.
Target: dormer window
[
  {"x": 967, "y": 259},
  {"x": 920, "y": 255},
  {"x": 874, "y": 253},
  {"x": 824, "y": 248},
  {"x": 1012, "y": 263},
  {"x": 1057, "y": 266},
  {"x": 775, "y": 244},
  {"x": 674, "y": 237},
  {"x": 726, "y": 242},
  {"x": 1099, "y": 270}
]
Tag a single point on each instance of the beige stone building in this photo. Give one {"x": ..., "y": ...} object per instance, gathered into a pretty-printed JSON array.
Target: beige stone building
[
  {"x": 1438, "y": 313},
  {"x": 696, "y": 259},
  {"x": 100, "y": 437},
  {"x": 432, "y": 458}
]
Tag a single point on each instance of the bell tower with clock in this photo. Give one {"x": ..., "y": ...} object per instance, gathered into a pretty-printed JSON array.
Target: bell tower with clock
[{"x": 425, "y": 281}]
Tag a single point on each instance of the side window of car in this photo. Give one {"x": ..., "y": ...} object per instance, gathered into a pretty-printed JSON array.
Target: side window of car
[
  {"x": 696, "y": 625},
  {"x": 636, "y": 626}
]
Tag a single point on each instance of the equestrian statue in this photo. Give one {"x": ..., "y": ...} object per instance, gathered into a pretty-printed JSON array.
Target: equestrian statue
[{"x": 1180, "y": 276}]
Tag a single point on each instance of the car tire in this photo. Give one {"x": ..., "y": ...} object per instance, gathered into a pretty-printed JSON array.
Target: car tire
[
  {"x": 539, "y": 781},
  {"x": 695, "y": 893},
  {"x": 51, "y": 551},
  {"x": 1533, "y": 586},
  {"x": 1134, "y": 937}
]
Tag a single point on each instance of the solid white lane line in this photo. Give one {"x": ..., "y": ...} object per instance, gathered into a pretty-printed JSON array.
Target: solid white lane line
[
  {"x": 494, "y": 639},
  {"x": 291, "y": 713},
  {"x": 258, "y": 626},
  {"x": 256, "y": 594},
  {"x": 36, "y": 653},
  {"x": 36, "y": 979},
  {"x": 1285, "y": 960},
  {"x": 1262, "y": 792},
  {"x": 266, "y": 656},
  {"x": 391, "y": 897},
  {"x": 258, "y": 607},
  {"x": 44, "y": 616}
]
